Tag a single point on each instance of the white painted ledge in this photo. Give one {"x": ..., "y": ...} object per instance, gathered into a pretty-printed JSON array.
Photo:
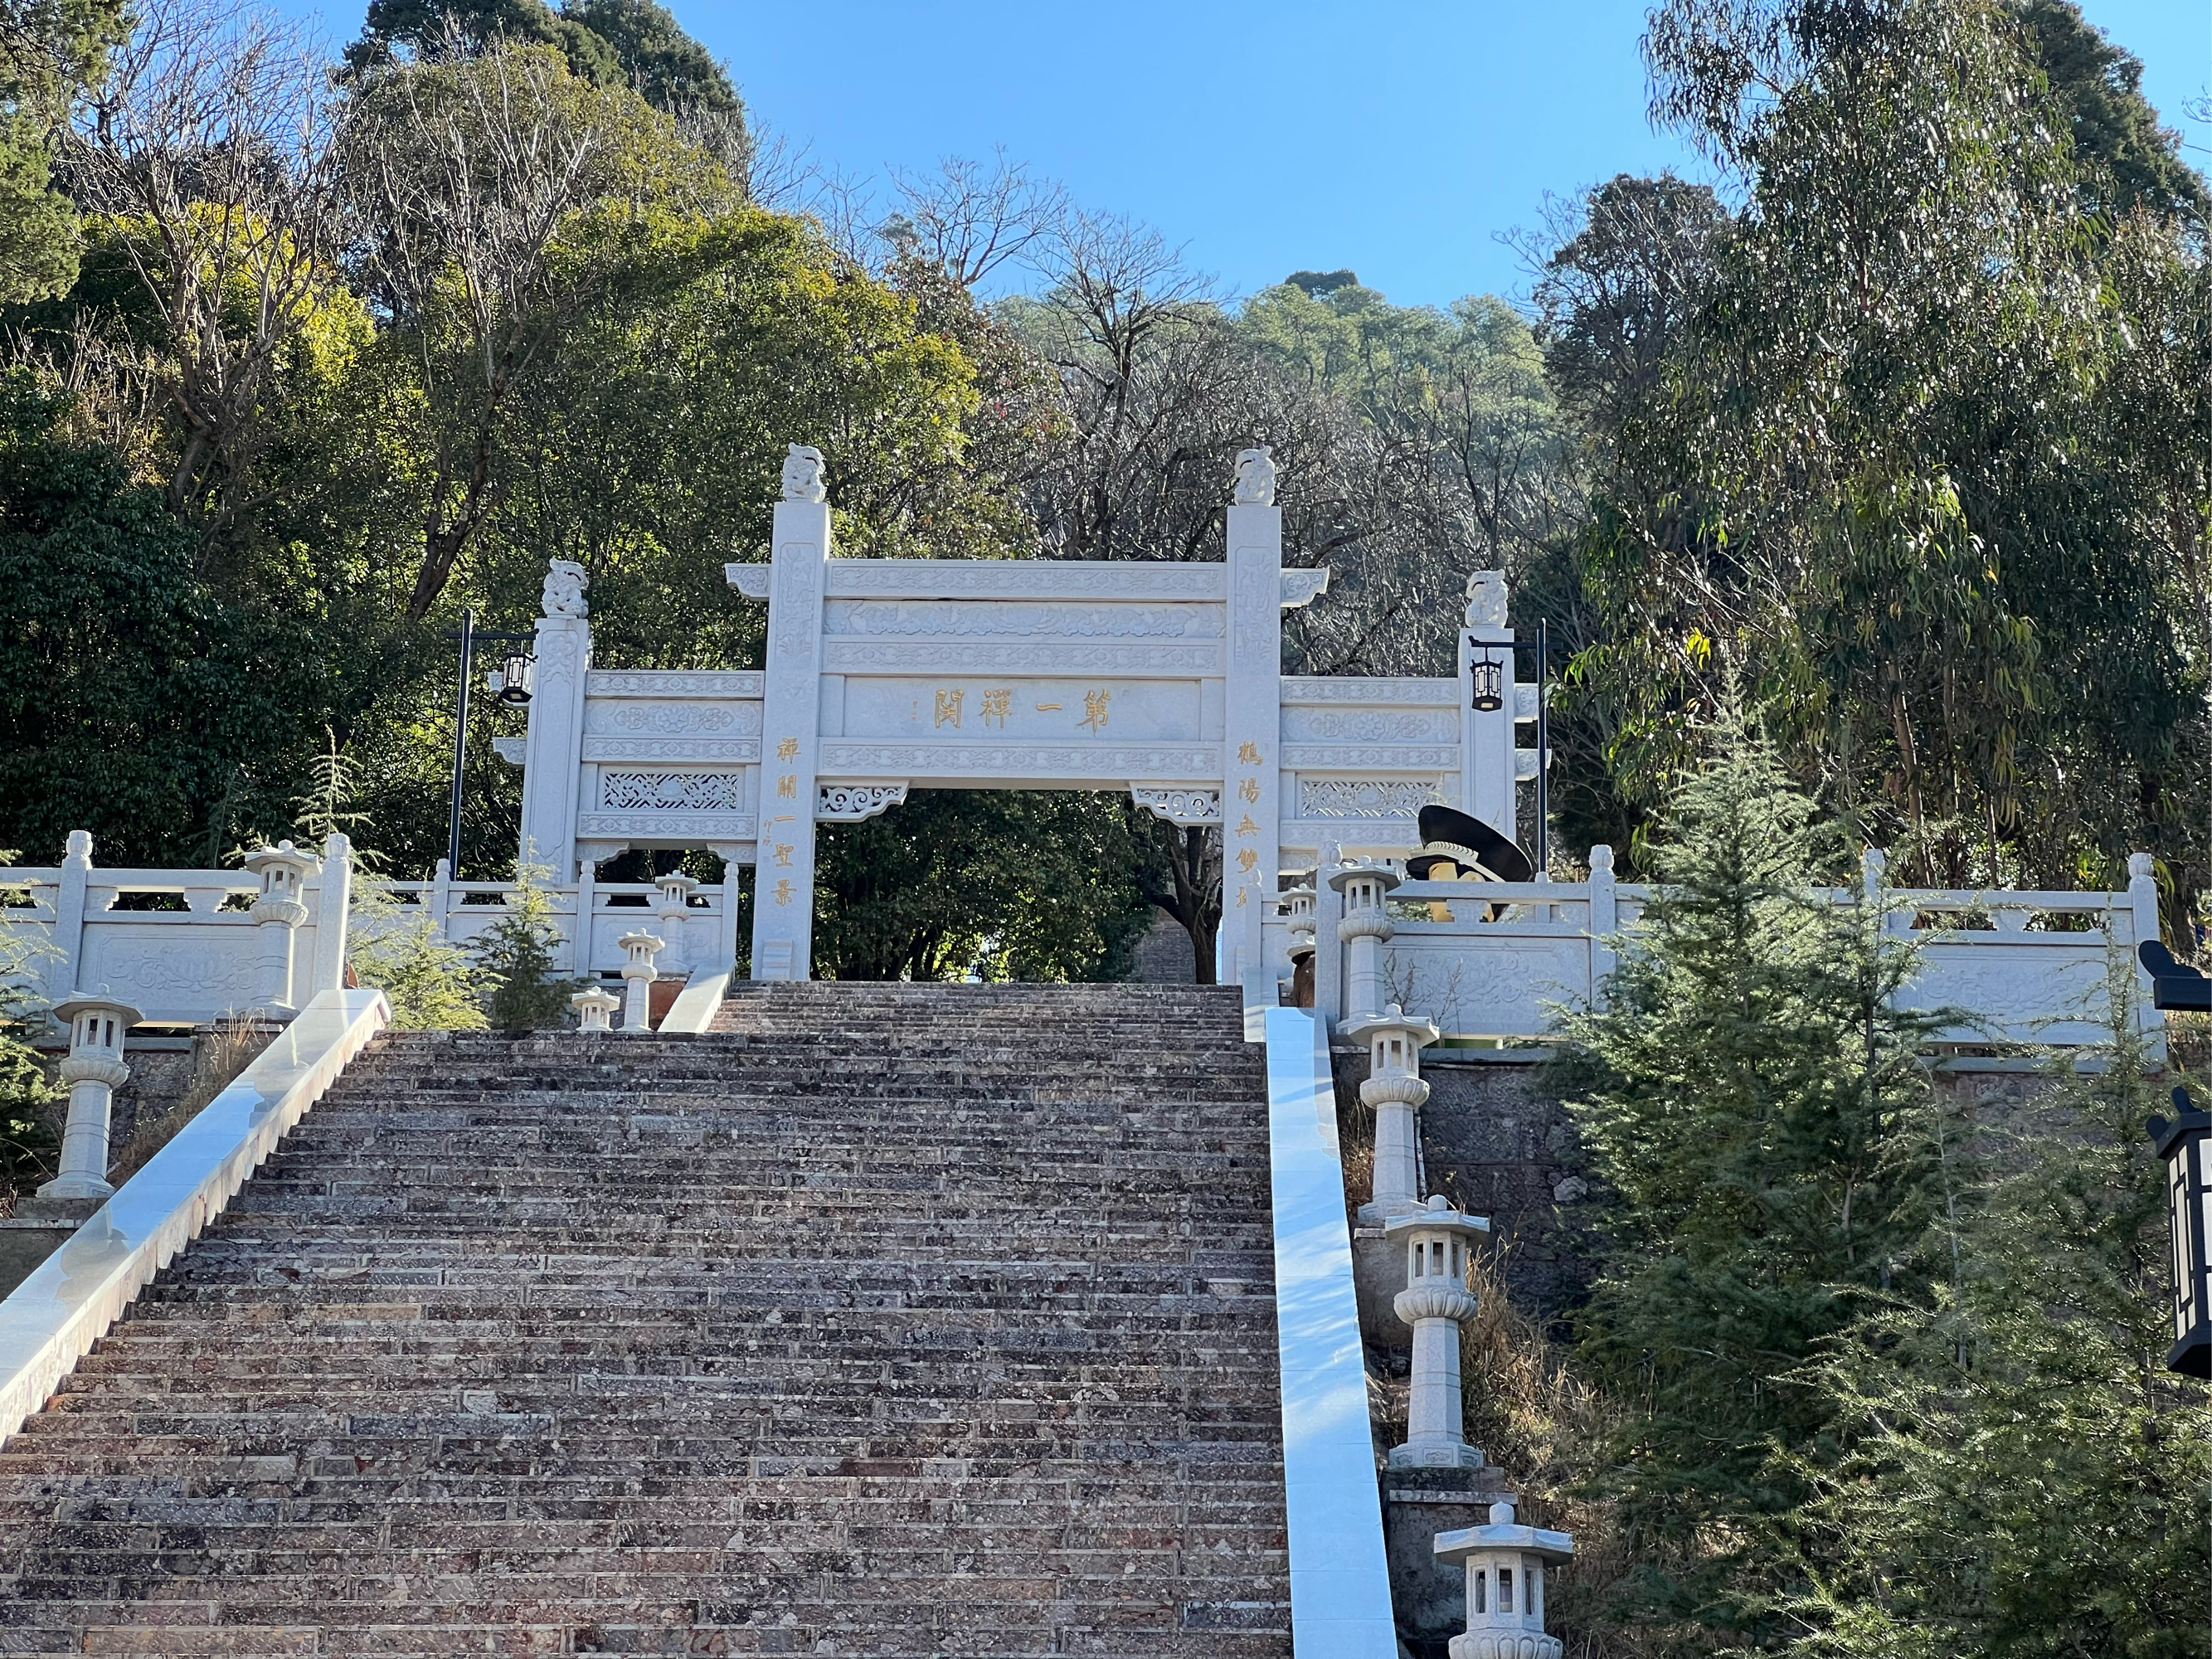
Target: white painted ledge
[
  {"x": 52, "y": 1318},
  {"x": 695, "y": 1004},
  {"x": 1340, "y": 1580}
]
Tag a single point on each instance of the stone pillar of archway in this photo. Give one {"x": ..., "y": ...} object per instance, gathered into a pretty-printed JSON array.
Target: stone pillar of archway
[
  {"x": 791, "y": 724},
  {"x": 1251, "y": 804}
]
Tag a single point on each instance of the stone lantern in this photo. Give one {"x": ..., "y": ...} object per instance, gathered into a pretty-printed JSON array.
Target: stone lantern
[
  {"x": 594, "y": 1008},
  {"x": 672, "y": 908},
  {"x": 1504, "y": 1563},
  {"x": 1365, "y": 927},
  {"x": 93, "y": 1069},
  {"x": 1298, "y": 913},
  {"x": 283, "y": 870},
  {"x": 638, "y": 974},
  {"x": 1394, "y": 1092},
  {"x": 1434, "y": 1302}
]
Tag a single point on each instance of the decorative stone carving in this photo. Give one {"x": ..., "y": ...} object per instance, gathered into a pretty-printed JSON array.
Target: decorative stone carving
[
  {"x": 688, "y": 829},
  {"x": 1506, "y": 1564},
  {"x": 1186, "y": 806},
  {"x": 727, "y": 751},
  {"x": 1366, "y": 798},
  {"x": 1100, "y": 761},
  {"x": 1301, "y": 588},
  {"x": 679, "y": 682},
  {"x": 1257, "y": 642},
  {"x": 671, "y": 791},
  {"x": 513, "y": 751},
  {"x": 671, "y": 718},
  {"x": 1255, "y": 477},
  {"x": 1371, "y": 757},
  {"x": 802, "y": 474},
  {"x": 1019, "y": 619},
  {"x": 1305, "y": 688},
  {"x": 849, "y": 803},
  {"x": 1435, "y": 1302},
  {"x": 962, "y": 657},
  {"x": 94, "y": 1069},
  {"x": 1024, "y": 578},
  {"x": 792, "y": 614},
  {"x": 750, "y": 580},
  {"x": 1486, "y": 599},
  {"x": 1371, "y": 725},
  {"x": 563, "y": 592}
]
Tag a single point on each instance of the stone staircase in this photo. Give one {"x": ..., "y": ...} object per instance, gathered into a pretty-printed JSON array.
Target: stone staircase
[{"x": 880, "y": 1320}]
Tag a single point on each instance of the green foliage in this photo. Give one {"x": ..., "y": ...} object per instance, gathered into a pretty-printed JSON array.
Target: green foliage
[
  {"x": 49, "y": 50},
  {"x": 130, "y": 691},
  {"x": 1004, "y": 885},
  {"x": 432, "y": 984},
  {"x": 2023, "y": 1477},
  {"x": 514, "y": 957},
  {"x": 1753, "y": 1098},
  {"x": 1878, "y": 463},
  {"x": 29, "y": 1147}
]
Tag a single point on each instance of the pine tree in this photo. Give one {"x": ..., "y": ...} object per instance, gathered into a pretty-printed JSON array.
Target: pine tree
[
  {"x": 516, "y": 957},
  {"x": 1751, "y": 1094},
  {"x": 2022, "y": 1477}
]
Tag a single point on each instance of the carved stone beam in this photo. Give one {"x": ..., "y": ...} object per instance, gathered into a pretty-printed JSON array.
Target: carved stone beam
[
  {"x": 1186, "y": 805},
  {"x": 849, "y": 803},
  {"x": 1301, "y": 586}
]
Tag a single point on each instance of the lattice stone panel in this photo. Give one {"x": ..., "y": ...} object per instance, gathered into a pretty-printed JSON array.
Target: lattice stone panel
[{"x": 671, "y": 791}]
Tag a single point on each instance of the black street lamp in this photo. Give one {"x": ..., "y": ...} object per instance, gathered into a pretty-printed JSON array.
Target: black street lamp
[
  {"x": 1488, "y": 676},
  {"x": 503, "y": 683},
  {"x": 2181, "y": 1143}
]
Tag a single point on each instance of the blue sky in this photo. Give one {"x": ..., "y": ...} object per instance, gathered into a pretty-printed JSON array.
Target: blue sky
[{"x": 1402, "y": 142}]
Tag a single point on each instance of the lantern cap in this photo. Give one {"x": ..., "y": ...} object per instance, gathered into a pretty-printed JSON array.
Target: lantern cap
[
  {"x": 598, "y": 997},
  {"x": 1352, "y": 872},
  {"x": 1437, "y": 1216},
  {"x": 2173, "y": 983},
  {"x": 83, "y": 1002},
  {"x": 2188, "y": 1119},
  {"x": 283, "y": 853},
  {"x": 1369, "y": 1027},
  {"x": 1504, "y": 1533},
  {"x": 676, "y": 878}
]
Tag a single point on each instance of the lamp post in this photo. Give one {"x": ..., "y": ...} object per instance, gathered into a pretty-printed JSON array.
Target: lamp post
[
  {"x": 509, "y": 682},
  {"x": 2182, "y": 1143}
]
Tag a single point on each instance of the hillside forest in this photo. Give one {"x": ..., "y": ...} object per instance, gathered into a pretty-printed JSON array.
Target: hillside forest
[{"x": 1866, "y": 492}]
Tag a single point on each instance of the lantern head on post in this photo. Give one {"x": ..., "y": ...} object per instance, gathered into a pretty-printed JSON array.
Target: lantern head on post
[
  {"x": 1504, "y": 1563},
  {"x": 510, "y": 682},
  {"x": 1487, "y": 675},
  {"x": 2182, "y": 1143}
]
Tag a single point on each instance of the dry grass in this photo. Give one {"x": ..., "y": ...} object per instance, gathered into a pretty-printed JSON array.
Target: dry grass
[{"x": 217, "y": 1061}]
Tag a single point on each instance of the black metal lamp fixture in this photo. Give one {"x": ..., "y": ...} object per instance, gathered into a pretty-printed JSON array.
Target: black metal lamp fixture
[
  {"x": 2182, "y": 1143},
  {"x": 1488, "y": 675},
  {"x": 510, "y": 681}
]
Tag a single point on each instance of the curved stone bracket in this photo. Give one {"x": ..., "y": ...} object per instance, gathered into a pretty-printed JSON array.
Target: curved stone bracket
[
  {"x": 849, "y": 803},
  {"x": 1301, "y": 588},
  {"x": 1188, "y": 805}
]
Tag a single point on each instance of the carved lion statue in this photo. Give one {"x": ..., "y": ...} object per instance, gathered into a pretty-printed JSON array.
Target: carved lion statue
[
  {"x": 802, "y": 474},
  {"x": 1255, "y": 478},
  {"x": 565, "y": 583},
  {"x": 1485, "y": 599}
]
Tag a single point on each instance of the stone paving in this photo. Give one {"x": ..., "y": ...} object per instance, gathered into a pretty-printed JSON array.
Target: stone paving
[{"x": 882, "y": 1319}]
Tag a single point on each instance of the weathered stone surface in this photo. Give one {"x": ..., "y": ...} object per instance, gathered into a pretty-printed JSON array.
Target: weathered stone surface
[{"x": 882, "y": 1319}]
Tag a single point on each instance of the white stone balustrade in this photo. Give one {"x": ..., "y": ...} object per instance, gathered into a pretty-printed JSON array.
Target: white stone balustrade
[
  {"x": 594, "y": 1009},
  {"x": 282, "y": 871},
  {"x": 1435, "y": 1301},
  {"x": 1505, "y": 1564},
  {"x": 638, "y": 974},
  {"x": 674, "y": 911},
  {"x": 1394, "y": 1092},
  {"x": 1365, "y": 928}
]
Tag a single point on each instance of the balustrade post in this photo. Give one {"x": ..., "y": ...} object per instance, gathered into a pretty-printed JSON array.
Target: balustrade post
[
  {"x": 68, "y": 915},
  {"x": 1328, "y": 944},
  {"x": 1604, "y": 922},
  {"x": 93, "y": 1069},
  {"x": 333, "y": 915}
]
